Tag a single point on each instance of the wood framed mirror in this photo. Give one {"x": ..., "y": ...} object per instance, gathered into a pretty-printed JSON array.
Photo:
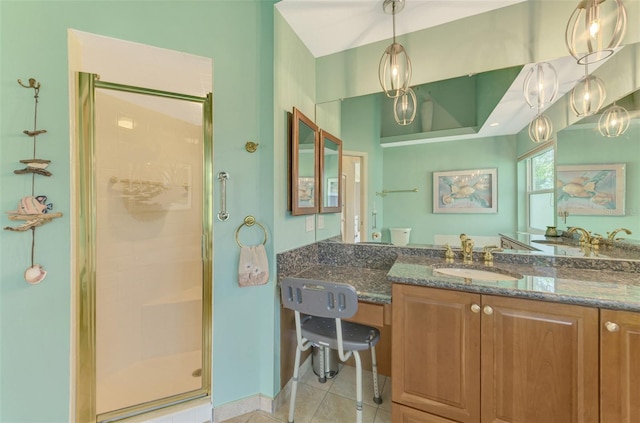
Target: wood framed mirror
[
  {"x": 304, "y": 158},
  {"x": 330, "y": 178}
]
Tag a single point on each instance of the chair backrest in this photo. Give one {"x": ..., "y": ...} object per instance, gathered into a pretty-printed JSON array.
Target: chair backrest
[{"x": 319, "y": 298}]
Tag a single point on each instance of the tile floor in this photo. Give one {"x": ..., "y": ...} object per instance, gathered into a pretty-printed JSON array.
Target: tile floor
[{"x": 330, "y": 402}]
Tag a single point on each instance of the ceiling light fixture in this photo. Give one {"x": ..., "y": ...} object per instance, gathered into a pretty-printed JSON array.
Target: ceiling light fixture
[
  {"x": 595, "y": 29},
  {"x": 614, "y": 121},
  {"x": 540, "y": 129},
  {"x": 540, "y": 85},
  {"x": 394, "y": 70},
  {"x": 588, "y": 96},
  {"x": 404, "y": 107}
]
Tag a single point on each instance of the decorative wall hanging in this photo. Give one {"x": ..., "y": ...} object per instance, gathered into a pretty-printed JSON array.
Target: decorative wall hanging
[{"x": 33, "y": 210}]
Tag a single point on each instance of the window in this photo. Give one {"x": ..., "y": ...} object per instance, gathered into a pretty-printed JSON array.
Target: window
[{"x": 540, "y": 192}]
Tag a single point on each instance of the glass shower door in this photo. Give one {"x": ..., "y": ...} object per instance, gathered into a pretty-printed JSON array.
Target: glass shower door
[{"x": 151, "y": 273}]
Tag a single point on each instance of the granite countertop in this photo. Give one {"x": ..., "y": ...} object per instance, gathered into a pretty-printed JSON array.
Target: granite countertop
[
  {"x": 564, "y": 246},
  {"x": 371, "y": 285},
  {"x": 595, "y": 288},
  {"x": 616, "y": 286}
]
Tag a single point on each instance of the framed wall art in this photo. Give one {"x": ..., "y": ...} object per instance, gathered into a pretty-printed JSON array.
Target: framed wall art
[
  {"x": 465, "y": 191},
  {"x": 596, "y": 189}
]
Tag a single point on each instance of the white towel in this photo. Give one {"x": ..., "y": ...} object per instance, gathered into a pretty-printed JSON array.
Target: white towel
[{"x": 253, "y": 268}]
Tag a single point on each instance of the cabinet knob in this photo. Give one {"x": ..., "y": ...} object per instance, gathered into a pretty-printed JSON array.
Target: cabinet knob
[
  {"x": 612, "y": 327},
  {"x": 475, "y": 308},
  {"x": 488, "y": 310}
]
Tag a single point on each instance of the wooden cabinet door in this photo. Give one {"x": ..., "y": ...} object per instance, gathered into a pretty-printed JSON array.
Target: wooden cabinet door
[
  {"x": 402, "y": 414},
  {"x": 436, "y": 351},
  {"x": 619, "y": 366},
  {"x": 539, "y": 362}
]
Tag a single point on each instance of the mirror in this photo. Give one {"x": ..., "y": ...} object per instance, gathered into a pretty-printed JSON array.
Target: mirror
[
  {"x": 330, "y": 173},
  {"x": 303, "y": 165},
  {"x": 411, "y": 166},
  {"x": 595, "y": 205}
]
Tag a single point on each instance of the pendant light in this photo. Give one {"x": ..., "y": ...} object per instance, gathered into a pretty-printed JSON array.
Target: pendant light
[
  {"x": 540, "y": 85},
  {"x": 614, "y": 121},
  {"x": 394, "y": 71},
  {"x": 540, "y": 129},
  {"x": 404, "y": 107},
  {"x": 595, "y": 29},
  {"x": 588, "y": 96}
]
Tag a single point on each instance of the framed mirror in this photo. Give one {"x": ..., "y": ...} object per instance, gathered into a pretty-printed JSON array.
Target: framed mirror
[
  {"x": 304, "y": 165},
  {"x": 330, "y": 173}
]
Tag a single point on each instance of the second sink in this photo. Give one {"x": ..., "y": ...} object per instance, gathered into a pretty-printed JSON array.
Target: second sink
[{"x": 469, "y": 273}]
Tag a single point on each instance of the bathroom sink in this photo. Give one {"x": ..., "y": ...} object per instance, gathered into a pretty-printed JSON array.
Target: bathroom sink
[{"x": 468, "y": 273}]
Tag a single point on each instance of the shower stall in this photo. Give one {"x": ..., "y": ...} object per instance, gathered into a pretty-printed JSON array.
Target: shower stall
[{"x": 143, "y": 249}]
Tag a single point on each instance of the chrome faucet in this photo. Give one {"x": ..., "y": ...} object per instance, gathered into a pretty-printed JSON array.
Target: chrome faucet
[
  {"x": 612, "y": 235},
  {"x": 467, "y": 249},
  {"x": 585, "y": 236}
]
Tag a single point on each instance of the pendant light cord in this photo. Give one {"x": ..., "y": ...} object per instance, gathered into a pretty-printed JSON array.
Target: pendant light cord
[{"x": 393, "y": 18}]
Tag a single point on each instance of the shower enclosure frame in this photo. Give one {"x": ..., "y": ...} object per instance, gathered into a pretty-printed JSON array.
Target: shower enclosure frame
[{"x": 85, "y": 188}]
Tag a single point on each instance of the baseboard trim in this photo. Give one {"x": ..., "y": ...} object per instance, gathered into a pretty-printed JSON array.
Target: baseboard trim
[
  {"x": 243, "y": 406},
  {"x": 255, "y": 402}
]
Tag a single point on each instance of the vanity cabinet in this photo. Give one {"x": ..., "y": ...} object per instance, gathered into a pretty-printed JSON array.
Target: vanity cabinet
[
  {"x": 466, "y": 357},
  {"x": 619, "y": 366},
  {"x": 436, "y": 352}
]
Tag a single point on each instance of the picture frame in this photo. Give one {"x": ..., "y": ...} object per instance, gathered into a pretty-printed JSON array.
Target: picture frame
[
  {"x": 591, "y": 189},
  {"x": 332, "y": 192},
  {"x": 306, "y": 191},
  {"x": 466, "y": 191}
]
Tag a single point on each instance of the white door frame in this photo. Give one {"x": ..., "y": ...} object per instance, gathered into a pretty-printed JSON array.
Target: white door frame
[{"x": 364, "y": 192}]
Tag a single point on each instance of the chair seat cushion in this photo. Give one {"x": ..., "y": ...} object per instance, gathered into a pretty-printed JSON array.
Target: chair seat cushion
[{"x": 355, "y": 336}]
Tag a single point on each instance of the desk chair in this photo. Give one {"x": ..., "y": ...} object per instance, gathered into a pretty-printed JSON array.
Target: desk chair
[{"x": 319, "y": 309}]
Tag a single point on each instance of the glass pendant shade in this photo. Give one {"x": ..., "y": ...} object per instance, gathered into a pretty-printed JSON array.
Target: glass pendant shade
[
  {"x": 540, "y": 129},
  {"x": 404, "y": 107},
  {"x": 614, "y": 121},
  {"x": 595, "y": 29},
  {"x": 394, "y": 71},
  {"x": 588, "y": 96},
  {"x": 540, "y": 85}
]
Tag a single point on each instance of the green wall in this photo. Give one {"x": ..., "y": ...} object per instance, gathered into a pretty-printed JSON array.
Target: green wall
[
  {"x": 35, "y": 355},
  {"x": 295, "y": 80}
]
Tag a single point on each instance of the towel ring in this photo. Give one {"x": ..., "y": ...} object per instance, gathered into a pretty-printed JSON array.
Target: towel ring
[{"x": 250, "y": 221}]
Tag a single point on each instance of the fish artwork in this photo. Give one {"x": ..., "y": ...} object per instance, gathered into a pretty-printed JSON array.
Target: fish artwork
[
  {"x": 34, "y": 205},
  {"x": 470, "y": 189},
  {"x": 579, "y": 187}
]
